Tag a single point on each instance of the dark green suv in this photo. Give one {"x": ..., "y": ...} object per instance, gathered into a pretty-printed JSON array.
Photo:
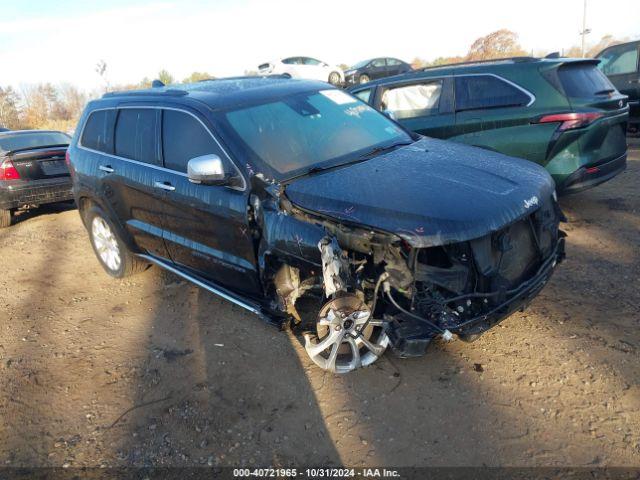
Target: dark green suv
[{"x": 561, "y": 113}]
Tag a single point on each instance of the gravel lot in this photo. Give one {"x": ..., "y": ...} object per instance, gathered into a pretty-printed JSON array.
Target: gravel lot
[{"x": 154, "y": 371}]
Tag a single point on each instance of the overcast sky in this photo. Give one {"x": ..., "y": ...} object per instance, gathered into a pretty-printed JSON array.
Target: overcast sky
[{"x": 62, "y": 40}]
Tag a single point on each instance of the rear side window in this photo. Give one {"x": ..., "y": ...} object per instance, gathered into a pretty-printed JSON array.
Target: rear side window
[
  {"x": 184, "y": 138},
  {"x": 416, "y": 100},
  {"x": 98, "y": 131},
  {"x": 583, "y": 80},
  {"x": 364, "y": 95},
  {"x": 485, "y": 91},
  {"x": 620, "y": 60},
  {"x": 379, "y": 62},
  {"x": 136, "y": 135}
]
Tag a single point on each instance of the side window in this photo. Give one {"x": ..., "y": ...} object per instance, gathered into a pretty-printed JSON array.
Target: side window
[
  {"x": 392, "y": 62},
  {"x": 98, "y": 131},
  {"x": 310, "y": 61},
  {"x": 619, "y": 60},
  {"x": 379, "y": 62},
  {"x": 484, "y": 91},
  {"x": 410, "y": 101},
  {"x": 136, "y": 134},
  {"x": 184, "y": 138},
  {"x": 364, "y": 95},
  {"x": 290, "y": 61}
]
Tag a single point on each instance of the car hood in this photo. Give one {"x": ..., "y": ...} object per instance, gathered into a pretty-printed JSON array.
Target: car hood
[{"x": 431, "y": 192}]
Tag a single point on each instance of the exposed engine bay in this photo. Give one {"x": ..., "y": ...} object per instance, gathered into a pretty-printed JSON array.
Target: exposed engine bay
[{"x": 354, "y": 291}]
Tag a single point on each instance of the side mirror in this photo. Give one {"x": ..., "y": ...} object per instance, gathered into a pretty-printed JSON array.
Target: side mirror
[{"x": 207, "y": 170}]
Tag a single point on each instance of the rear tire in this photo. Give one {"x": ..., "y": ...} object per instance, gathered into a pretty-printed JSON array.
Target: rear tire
[
  {"x": 5, "y": 218},
  {"x": 112, "y": 253}
]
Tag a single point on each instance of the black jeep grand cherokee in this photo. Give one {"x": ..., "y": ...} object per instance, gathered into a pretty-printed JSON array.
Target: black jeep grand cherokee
[{"x": 266, "y": 190}]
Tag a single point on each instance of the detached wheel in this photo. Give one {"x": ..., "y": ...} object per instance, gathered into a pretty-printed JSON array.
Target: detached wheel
[
  {"x": 334, "y": 78},
  {"x": 5, "y": 218},
  {"x": 364, "y": 79},
  {"x": 113, "y": 254}
]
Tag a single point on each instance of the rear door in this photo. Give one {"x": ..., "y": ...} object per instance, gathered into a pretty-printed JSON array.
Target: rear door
[
  {"x": 206, "y": 227},
  {"x": 128, "y": 168},
  {"x": 394, "y": 66},
  {"x": 424, "y": 106}
]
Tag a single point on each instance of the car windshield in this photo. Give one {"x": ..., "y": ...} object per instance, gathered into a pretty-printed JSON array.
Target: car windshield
[
  {"x": 290, "y": 136},
  {"x": 359, "y": 64},
  {"x": 17, "y": 141}
]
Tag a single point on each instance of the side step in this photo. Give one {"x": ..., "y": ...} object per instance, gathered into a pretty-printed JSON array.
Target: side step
[{"x": 210, "y": 287}]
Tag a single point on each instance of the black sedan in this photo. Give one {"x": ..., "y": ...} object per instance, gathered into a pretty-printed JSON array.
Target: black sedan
[
  {"x": 374, "y": 68},
  {"x": 32, "y": 170}
]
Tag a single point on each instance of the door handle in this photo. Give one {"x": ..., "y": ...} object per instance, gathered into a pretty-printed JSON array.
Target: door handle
[
  {"x": 106, "y": 168},
  {"x": 635, "y": 81},
  {"x": 164, "y": 186}
]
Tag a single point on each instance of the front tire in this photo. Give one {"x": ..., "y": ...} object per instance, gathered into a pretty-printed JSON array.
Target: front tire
[
  {"x": 112, "y": 253},
  {"x": 364, "y": 79},
  {"x": 334, "y": 78},
  {"x": 5, "y": 218}
]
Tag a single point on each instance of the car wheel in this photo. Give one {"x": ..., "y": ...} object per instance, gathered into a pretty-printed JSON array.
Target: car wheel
[
  {"x": 114, "y": 256},
  {"x": 334, "y": 78},
  {"x": 364, "y": 79},
  {"x": 5, "y": 218}
]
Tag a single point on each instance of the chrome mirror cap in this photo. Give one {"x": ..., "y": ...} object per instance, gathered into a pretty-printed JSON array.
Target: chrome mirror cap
[{"x": 206, "y": 169}]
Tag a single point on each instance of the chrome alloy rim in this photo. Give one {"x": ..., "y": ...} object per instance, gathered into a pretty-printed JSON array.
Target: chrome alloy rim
[
  {"x": 105, "y": 243},
  {"x": 342, "y": 345}
]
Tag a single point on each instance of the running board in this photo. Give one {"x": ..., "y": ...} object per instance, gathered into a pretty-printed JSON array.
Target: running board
[{"x": 216, "y": 290}]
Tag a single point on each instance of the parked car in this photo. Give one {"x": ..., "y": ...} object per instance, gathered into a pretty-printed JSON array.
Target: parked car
[
  {"x": 33, "y": 171},
  {"x": 563, "y": 114},
  {"x": 620, "y": 63},
  {"x": 263, "y": 190},
  {"x": 304, "y": 67},
  {"x": 372, "y": 69}
]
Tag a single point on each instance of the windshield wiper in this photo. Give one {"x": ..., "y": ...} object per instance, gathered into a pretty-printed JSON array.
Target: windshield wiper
[{"x": 377, "y": 150}]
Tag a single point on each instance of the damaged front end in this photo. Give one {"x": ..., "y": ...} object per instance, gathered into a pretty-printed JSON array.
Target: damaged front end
[{"x": 375, "y": 289}]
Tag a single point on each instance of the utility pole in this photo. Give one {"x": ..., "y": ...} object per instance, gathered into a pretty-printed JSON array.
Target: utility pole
[{"x": 585, "y": 31}]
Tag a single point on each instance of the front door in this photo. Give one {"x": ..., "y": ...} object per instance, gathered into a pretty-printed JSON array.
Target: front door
[{"x": 206, "y": 227}]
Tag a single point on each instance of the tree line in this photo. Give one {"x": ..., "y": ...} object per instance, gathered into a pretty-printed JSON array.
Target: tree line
[{"x": 45, "y": 106}]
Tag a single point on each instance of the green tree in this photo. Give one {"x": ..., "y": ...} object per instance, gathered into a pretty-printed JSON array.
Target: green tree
[
  {"x": 165, "y": 77},
  {"x": 197, "y": 77}
]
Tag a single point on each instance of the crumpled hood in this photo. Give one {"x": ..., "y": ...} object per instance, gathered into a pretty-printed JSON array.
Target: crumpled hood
[{"x": 432, "y": 192}]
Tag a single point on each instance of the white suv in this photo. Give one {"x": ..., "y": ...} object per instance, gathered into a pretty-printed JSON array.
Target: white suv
[{"x": 304, "y": 67}]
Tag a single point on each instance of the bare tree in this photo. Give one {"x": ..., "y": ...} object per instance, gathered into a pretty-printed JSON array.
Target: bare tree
[
  {"x": 498, "y": 44},
  {"x": 101, "y": 69},
  {"x": 9, "y": 113}
]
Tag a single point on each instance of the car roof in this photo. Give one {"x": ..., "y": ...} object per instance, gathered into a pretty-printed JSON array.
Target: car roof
[
  {"x": 636, "y": 42},
  {"x": 27, "y": 132},
  {"x": 226, "y": 92},
  {"x": 484, "y": 66}
]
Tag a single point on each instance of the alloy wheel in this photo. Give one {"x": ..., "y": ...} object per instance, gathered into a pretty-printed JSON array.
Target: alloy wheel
[{"x": 106, "y": 244}]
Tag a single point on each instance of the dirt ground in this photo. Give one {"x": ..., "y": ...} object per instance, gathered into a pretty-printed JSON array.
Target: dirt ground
[{"x": 155, "y": 371}]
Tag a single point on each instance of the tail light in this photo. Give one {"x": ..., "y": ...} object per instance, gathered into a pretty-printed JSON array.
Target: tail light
[
  {"x": 67, "y": 158},
  {"x": 569, "y": 121},
  {"x": 8, "y": 171}
]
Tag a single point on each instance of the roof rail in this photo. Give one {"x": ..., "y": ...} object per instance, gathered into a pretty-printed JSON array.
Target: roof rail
[
  {"x": 244, "y": 77},
  {"x": 481, "y": 62},
  {"x": 144, "y": 93}
]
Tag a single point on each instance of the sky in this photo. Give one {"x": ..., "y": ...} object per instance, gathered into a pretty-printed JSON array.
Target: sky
[{"x": 61, "y": 41}]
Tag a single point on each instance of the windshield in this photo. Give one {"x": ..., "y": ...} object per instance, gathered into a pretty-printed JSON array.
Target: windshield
[
  {"x": 297, "y": 133},
  {"x": 17, "y": 141},
  {"x": 359, "y": 64}
]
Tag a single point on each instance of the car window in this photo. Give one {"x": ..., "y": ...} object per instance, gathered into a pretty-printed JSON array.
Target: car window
[
  {"x": 310, "y": 61},
  {"x": 17, "y": 141},
  {"x": 392, "y": 62},
  {"x": 288, "y": 136},
  {"x": 416, "y": 100},
  {"x": 291, "y": 60},
  {"x": 98, "y": 131},
  {"x": 136, "y": 135},
  {"x": 364, "y": 95},
  {"x": 619, "y": 60},
  {"x": 378, "y": 62},
  {"x": 485, "y": 91},
  {"x": 184, "y": 138},
  {"x": 583, "y": 80}
]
